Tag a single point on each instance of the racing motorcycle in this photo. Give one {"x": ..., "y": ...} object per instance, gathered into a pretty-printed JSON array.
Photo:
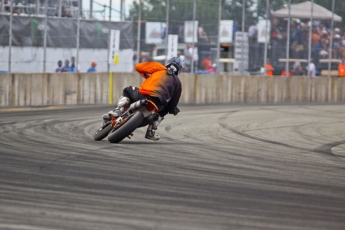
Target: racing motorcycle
[{"x": 138, "y": 114}]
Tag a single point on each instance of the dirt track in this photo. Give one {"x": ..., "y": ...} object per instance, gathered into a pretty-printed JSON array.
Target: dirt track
[{"x": 216, "y": 167}]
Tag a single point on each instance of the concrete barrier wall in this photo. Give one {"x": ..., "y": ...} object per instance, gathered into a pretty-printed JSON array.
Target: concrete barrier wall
[{"x": 93, "y": 88}]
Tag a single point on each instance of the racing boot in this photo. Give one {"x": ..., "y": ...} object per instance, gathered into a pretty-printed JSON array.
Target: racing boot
[
  {"x": 121, "y": 106},
  {"x": 151, "y": 134},
  {"x": 151, "y": 130}
]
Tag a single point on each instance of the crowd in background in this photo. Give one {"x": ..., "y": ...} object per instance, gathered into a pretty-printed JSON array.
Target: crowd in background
[{"x": 73, "y": 67}]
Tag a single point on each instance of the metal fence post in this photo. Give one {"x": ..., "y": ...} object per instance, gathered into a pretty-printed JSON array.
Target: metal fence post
[
  {"x": 121, "y": 11},
  {"x": 218, "y": 39},
  {"x": 77, "y": 62},
  {"x": 288, "y": 42},
  {"x": 45, "y": 39},
  {"x": 193, "y": 39},
  {"x": 110, "y": 8},
  {"x": 59, "y": 8},
  {"x": 266, "y": 40},
  {"x": 310, "y": 33},
  {"x": 243, "y": 29},
  {"x": 331, "y": 42},
  {"x": 139, "y": 32},
  {"x": 10, "y": 40},
  {"x": 37, "y": 6},
  {"x": 2, "y": 6},
  {"x": 166, "y": 30}
]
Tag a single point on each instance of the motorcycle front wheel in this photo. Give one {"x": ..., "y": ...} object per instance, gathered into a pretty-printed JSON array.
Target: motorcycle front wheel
[
  {"x": 127, "y": 128},
  {"x": 100, "y": 134}
]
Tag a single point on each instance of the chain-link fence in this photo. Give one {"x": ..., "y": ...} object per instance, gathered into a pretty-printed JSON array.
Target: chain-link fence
[{"x": 281, "y": 37}]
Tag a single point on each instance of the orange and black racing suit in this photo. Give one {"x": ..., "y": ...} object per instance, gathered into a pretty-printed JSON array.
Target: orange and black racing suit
[{"x": 160, "y": 87}]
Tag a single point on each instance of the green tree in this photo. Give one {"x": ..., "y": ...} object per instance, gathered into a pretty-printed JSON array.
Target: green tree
[{"x": 274, "y": 5}]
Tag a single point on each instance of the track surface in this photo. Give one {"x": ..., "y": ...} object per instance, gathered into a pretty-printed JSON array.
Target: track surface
[{"x": 216, "y": 167}]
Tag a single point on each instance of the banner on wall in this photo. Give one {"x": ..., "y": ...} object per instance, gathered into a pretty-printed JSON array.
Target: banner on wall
[
  {"x": 190, "y": 31},
  {"x": 264, "y": 30},
  {"x": 241, "y": 51},
  {"x": 226, "y": 31},
  {"x": 172, "y": 45},
  {"x": 114, "y": 46},
  {"x": 154, "y": 32}
]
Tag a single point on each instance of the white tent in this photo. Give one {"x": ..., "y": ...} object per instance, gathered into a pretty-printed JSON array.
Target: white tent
[{"x": 303, "y": 10}]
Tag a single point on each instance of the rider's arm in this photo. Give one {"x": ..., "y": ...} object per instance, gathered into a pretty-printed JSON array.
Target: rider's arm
[
  {"x": 172, "y": 107},
  {"x": 147, "y": 68}
]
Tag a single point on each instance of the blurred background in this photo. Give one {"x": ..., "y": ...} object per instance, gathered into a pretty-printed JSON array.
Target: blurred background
[{"x": 278, "y": 37}]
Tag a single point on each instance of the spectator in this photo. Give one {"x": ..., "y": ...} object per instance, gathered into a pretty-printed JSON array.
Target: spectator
[
  {"x": 64, "y": 12},
  {"x": 213, "y": 68},
  {"x": 187, "y": 59},
  {"x": 252, "y": 32},
  {"x": 207, "y": 63},
  {"x": 269, "y": 69},
  {"x": 311, "y": 69},
  {"x": 297, "y": 69},
  {"x": 343, "y": 40},
  {"x": 202, "y": 34},
  {"x": 59, "y": 66},
  {"x": 74, "y": 66},
  {"x": 284, "y": 73},
  {"x": 145, "y": 57},
  {"x": 7, "y": 6},
  {"x": 67, "y": 67},
  {"x": 341, "y": 68},
  {"x": 92, "y": 68},
  {"x": 193, "y": 51},
  {"x": 181, "y": 33},
  {"x": 234, "y": 29}
]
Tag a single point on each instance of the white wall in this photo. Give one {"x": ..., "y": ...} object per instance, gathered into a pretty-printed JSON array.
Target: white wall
[{"x": 30, "y": 59}]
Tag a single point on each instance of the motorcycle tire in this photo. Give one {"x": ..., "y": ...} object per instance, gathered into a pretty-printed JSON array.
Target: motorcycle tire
[
  {"x": 102, "y": 133},
  {"x": 127, "y": 128}
]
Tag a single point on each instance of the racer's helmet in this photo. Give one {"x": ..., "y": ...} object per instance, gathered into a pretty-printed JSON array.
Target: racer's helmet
[{"x": 176, "y": 64}]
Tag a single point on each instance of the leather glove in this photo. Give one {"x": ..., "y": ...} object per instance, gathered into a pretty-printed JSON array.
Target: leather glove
[{"x": 174, "y": 111}]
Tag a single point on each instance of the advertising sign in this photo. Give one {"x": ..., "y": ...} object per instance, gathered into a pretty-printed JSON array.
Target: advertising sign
[
  {"x": 190, "y": 31},
  {"x": 172, "y": 45},
  {"x": 154, "y": 32},
  {"x": 241, "y": 51},
  {"x": 264, "y": 30},
  {"x": 114, "y": 46},
  {"x": 225, "y": 31}
]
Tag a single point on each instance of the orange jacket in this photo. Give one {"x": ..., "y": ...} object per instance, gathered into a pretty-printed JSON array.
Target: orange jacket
[
  {"x": 159, "y": 84},
  {"x": 341, "y": 68},
  {"x": 269, "y": 70}
]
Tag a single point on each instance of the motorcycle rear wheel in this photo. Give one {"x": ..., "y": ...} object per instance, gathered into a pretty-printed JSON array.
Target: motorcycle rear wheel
[{"x": 127, "y": 128}]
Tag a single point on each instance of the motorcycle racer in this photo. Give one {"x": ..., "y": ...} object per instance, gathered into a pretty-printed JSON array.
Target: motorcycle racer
[{"x": 161, "y": 85}]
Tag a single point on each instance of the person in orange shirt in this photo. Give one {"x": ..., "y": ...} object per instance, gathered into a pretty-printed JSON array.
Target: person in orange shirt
[
  {"x": 161, "y": 85},
  {"x": 341, "y": 68},
  {"x": 269, "y": 69}
]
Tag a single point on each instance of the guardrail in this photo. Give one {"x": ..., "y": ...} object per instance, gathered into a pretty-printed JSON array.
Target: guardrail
[{"x": 38, "y": 89}]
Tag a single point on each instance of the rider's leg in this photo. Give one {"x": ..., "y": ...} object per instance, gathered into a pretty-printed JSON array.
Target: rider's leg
[
  {"x": 120, "y": 107},
  {"x": 151, "y": 129},
  {"x": 129, "y": 94},
  {"x": 118, "y": 110}
]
